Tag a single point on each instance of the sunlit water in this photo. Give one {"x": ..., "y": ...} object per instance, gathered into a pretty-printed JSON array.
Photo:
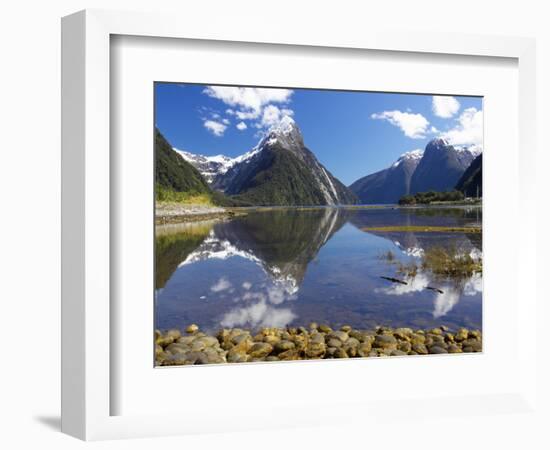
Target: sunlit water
[{"x": 290, "y": 267}]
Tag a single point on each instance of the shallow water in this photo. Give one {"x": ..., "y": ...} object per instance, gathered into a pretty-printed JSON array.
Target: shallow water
[{"x": 290, "y": 267}]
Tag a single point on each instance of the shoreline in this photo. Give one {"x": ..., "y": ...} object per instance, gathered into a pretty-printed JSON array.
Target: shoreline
[
  {"x": 173, "y": 213},
  {"x": 235, "y": 345}
]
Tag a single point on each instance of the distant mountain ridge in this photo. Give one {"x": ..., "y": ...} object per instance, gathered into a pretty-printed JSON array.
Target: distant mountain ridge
[
  {"x": 279, "y": 170},
  {"x": 441, "y": 167},
  {"x": 437, "y": 168},
  {"x": 388, "y": 185}
]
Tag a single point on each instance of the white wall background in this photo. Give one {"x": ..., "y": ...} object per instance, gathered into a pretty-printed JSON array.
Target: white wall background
[{"x": 30, "y": 189}]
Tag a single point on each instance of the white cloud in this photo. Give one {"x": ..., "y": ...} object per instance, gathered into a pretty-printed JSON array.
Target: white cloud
[
  {"x": 254, "y": 104},
  {"x": 272, "y": 115},
  {"x": 445, "y": 106},
  {"x": 249, "y": 99},
  {"x": 217, "y": 128},
  {"x": 413, "y": 125},
  {"x": 247, "y": 115},
  {"x": 469, "y": 128},
  {"x": 222, "y": 285},
  {"x": 247, "y": 285},
  {"x": 225, "y": 121}
]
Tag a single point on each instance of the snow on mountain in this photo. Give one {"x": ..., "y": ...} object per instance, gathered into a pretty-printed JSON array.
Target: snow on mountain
[
  {"x": 211, "y": 167},
  {"x": 285, "y": 132},
  {"x": 466, "y": 154},
  {"x": 413, "y": 155},
  {"x": 233, "y": 175}
]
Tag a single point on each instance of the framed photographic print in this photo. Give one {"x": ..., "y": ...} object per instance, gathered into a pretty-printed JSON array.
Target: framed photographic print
[
  {"x": 267, "y": 254},
  {"x": 237, "y": 236}
]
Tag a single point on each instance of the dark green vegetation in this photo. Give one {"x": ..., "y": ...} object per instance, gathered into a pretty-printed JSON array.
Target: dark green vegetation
[
  {"x": 425, "y": 198},
  {"x": 470, "y": 183},
  {"x": 178, "y": 181},
  {"x": 277, "y": 178},
  {"x": 174, "y": 174}
]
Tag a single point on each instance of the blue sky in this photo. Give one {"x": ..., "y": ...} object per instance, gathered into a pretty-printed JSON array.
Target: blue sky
[{"x": 352, "y": 133}]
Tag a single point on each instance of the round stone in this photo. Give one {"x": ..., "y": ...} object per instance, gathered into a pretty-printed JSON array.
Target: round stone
[
  {"x": 420, "y": 349},
  {"x": 316, "y": 350},
  {"x": 385, "y": 341},
  {"x": 461, "y": 335},
  {"x": 364, "y": 349},
  {"x": 260, "y": 350},
  {"x": 174, "y": 334},
  {"x": 340, "y": 353},
  {"x": 193, "y": 328},
  {"x": 341, "y": 335},
  {"x": 437, "y": 350},
  {"x": 283, "y": 346},
  {"x": 317, "y": 338}
]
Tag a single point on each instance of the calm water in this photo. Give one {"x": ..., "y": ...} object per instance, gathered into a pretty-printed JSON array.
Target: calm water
[{"x": 291, "y": 267}]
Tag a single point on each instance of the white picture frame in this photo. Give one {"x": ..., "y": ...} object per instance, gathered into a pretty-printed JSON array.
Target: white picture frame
[{"x": 87, "y": 324}]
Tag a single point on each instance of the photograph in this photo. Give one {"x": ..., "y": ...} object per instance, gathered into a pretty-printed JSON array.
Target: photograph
[{"x": 300, "y": 224}]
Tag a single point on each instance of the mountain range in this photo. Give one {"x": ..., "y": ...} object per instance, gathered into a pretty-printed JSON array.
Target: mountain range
[
  {"x": 280, "y": 170},
  {"x": 437, "y": 168}
]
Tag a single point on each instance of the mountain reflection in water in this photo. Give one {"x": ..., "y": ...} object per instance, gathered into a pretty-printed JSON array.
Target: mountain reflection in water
[{"x": 295, "y": 266}]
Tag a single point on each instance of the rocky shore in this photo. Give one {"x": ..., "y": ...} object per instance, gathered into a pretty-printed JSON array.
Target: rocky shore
[
  {"x": 180, "y": 213},
  {"x": 174, "y": 348}
]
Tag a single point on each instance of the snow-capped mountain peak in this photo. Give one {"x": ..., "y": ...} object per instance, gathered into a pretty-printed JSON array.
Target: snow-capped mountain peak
[
  {"x": 413, "y": 155},
  {"x": 212, "y": 166},
  {"x": 286, "y": 126},
  {"x": 285, "y": 132}
]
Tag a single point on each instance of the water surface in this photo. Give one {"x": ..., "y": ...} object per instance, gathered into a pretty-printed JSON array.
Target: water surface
[{"x": 290, "y": 267}]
